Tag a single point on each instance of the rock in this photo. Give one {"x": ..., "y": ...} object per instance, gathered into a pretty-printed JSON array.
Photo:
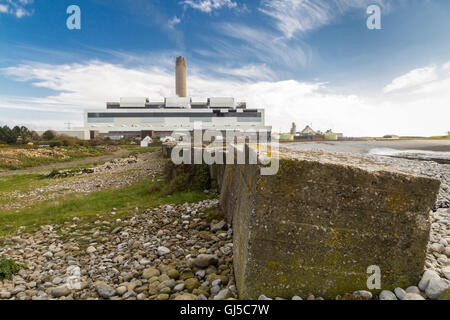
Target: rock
[
  {"x": 205, "y": 260},
  {"x": 223, "y": 295},
  {"x": 446, "y": 272},
  {"x": 400, "y": 293},
  {"x": 105, "y": 291},
  {"x": 437, "y": 247},
  {"x": 387, "y": 295},
  {"x": 215, "y": 290},
  {"x": 5, "y": 295},
  {"x": 61, "y": 291},
  {"x": 48, "y": 255},
  {"x": 218, "y": 226},
  {"x": 413, "y": 296},
  {"x": 427, "y": 276},
  {"x": 150, "y": 272},
  {"x": 200, "y": 273},
  {"x": 296, "y": 298},
  {"x": 179, "y": 287},
  {"x": 187, "y": 296},
  {"x": 173, "y": 274},
  {"x": 436, "y": 287},
  {"x": 121, "y": 290},
  {"x": 413, "y": 289},
  {"x": 191, "y": 284},
  {"x": 91, "y": 250},
  {"x": 162, "y": 251},
  {"x": 163, "y": 296},
  {"x": 263, "y": 297},
  {"x": 363, "y": 293},
  {"x": 216, "y": 282},
  {"x": 141, "y": 296}
]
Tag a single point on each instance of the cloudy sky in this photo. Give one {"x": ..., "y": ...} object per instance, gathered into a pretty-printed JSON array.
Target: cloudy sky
[{"x": 309, "y": 61}]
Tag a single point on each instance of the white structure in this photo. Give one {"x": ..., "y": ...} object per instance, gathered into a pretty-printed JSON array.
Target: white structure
[
  {"x": 141, "y": 115},
  {"x": 145, "y": 142}
]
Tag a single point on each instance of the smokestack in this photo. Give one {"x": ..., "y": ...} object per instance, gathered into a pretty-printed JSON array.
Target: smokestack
[{"x": 181, "y": 77}]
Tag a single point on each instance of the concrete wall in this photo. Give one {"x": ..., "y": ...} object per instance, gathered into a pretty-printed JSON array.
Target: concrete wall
[
  {"x": 316, "y": 226},
  {"x": 319, "y": 224}
]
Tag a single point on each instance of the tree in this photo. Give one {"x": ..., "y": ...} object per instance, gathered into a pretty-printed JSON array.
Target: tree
[{"x": 48, "y": 135}]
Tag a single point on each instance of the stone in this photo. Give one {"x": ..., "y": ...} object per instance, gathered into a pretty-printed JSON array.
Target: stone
[
  {"x": 427, "y": 276},
  {"x": 218, "y": 226},
  {"x": 191, "y": 284},
  {"x": 48, "y": 255},
  {"x": 436, "y": 287},
  {"x": 400, "y": 293},
  {"x": 173, "y": 274},
  {"x": 296, "y": 298},
  {"x": 340, "y": 241},
  {"x": 446, "y": 272},
  {"x": 150, "y": 272},
  {"x": 215, "y": 290},
  {"x": 91, "y": 250},
  {"x": 163, "y": 296},
  {"x": 363, "y": 293},
  {"x": 5, "y": 295},
  {"x": 179, "y": 287},
  {"x": 162, "y": 251},
  {"x": 61, "y": 291},
  {"x": 387, "y": 295},
  {"x": 263, "y": 297},
  {"x": 413, "y": 289},
  {"x": 200, "y": 273},
  {"x": 437, "y": 247},
  {"x": 205, "y": 260},
  {"x": 105, "y": 291},
  {"x": 223, "y": 295},
  {"x": 121, "y": 290},
  {"x": 187, "y": 297},
  {"x": 413, "y": 296}
]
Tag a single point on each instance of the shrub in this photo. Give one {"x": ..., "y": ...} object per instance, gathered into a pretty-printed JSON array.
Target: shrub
[
  {"x": 186, "y": 178},
  {"x": 49, "y": 135},
  {"x": 8, "y": 268}
]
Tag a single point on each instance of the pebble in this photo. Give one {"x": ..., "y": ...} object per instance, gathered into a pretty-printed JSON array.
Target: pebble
[
  {"x": 105, "y": 291},
  {"x": 387, "y": 295},
  {"x": 436, "y": 287}
]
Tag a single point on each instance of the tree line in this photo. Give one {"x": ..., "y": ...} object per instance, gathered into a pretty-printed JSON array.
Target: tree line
[{"x": 19, "y": 135}]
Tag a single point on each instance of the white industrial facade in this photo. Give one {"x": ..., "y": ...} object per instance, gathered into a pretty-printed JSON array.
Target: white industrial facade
[{"x": 131, "y": 116}]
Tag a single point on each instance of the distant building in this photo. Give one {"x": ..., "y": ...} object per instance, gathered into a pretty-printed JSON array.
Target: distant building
[
  {"x": 308, "y": 131},
  {"x": 136, "y": 117},
  {"x": 294, "y": 128}
]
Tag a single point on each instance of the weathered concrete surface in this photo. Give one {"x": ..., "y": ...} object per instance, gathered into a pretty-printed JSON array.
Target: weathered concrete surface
[{"x": 319, "y": 223}]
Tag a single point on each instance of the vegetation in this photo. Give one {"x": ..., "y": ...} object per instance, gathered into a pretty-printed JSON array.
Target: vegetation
[
  {"x": 8, "y": 268},
  {"x": 87, "y": 207},
  {"x": 15, "y": 135},
  {"x": 186, "y": 177},
  {"x": 15, "y": 158}
]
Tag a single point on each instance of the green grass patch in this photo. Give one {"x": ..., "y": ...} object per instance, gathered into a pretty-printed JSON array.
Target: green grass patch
[
  {"x": 8, "y": 268},
  {"x": 214, "y": 213},
  {"x": 87, "y": 207}
]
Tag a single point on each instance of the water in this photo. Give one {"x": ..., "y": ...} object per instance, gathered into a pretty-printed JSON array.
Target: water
[{"x": 440, "y": 157}]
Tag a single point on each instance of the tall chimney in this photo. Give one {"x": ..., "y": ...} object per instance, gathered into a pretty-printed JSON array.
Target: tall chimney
[{"x": 181, "y": 77}]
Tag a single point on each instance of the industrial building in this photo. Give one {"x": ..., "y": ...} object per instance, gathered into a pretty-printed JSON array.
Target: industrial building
[{"x": 141, "y": 117}]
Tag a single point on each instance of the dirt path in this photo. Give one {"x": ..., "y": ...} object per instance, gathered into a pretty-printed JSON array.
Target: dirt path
[{"x": 61, "y": 165}]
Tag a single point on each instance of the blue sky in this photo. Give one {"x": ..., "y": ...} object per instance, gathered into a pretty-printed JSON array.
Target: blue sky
[{"x": 309, "y": 61}]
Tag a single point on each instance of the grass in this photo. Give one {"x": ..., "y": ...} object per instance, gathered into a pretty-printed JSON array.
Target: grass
[
  {"x": 65, "y": 154},
  {"x": 87, "y": 207},
  {"x": 8, "y": 268}
]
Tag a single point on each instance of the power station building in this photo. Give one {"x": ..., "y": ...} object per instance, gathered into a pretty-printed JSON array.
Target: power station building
[{"x": 140, "y": 117}]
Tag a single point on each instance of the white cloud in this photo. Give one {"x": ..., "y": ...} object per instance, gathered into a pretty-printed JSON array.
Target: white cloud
[
  {"x": 91, "y": 84},
  {"x": 413, "y": 78},
  {"x": 18, "y": 8},
  {"x": 210, "y": 5},
  {"x": 174, "y": 21},
  {"x": 293, "y": 16}
]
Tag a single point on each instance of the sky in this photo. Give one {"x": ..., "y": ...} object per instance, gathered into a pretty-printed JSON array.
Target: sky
[{"x": 312, "y": 62}]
